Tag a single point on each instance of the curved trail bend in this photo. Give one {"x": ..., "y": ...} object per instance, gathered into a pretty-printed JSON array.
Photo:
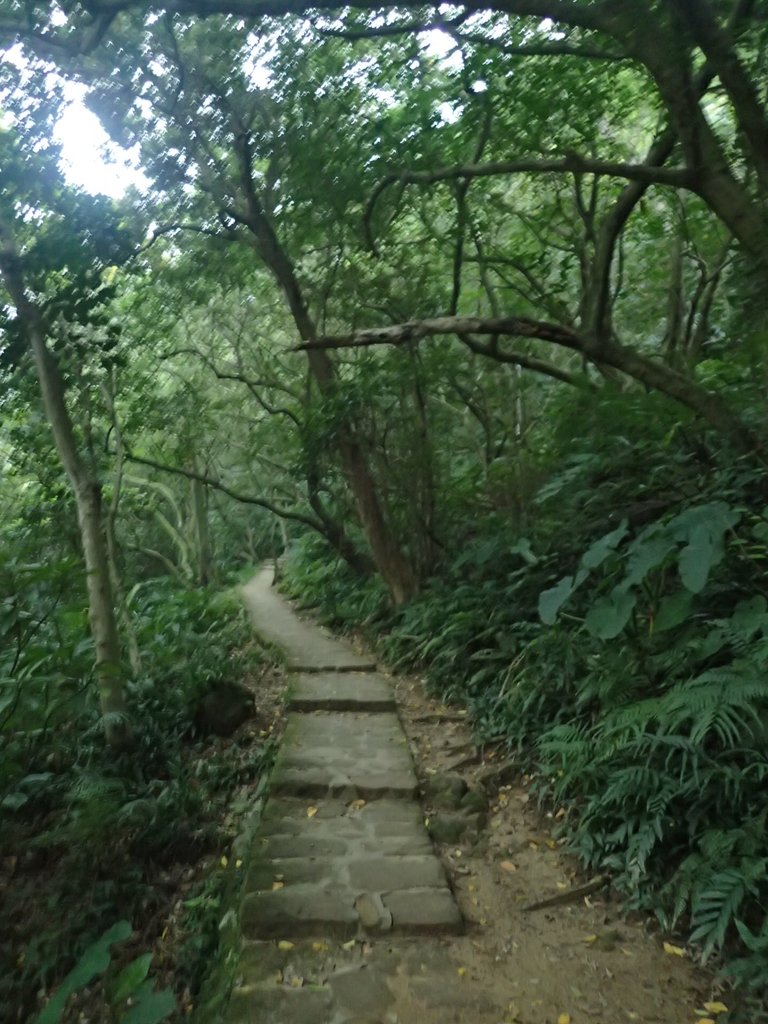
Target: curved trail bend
[{"x": 352, "y": 917}]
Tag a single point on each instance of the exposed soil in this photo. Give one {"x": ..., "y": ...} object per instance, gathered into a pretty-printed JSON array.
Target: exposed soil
[{"x": 583, "y": 960}]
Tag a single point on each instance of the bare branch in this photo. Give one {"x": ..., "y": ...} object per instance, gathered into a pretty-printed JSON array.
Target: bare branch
[
  {"x": 245, "y": 499},
  {"x": 573, "y": 163},
  {"x": 415, "y": 330}
]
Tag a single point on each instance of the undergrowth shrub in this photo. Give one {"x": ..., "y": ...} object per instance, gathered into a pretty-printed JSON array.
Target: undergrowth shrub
[{"x": 108, "y": 833}]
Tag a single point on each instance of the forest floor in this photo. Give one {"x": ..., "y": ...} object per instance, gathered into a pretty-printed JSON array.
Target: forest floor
[{"x": 578, "y": 958}]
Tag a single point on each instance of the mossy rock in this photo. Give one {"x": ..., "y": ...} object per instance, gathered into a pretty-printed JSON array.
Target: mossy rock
[
  {"x": 223, "y": 708},
  {"x": 445, "y": 790}
]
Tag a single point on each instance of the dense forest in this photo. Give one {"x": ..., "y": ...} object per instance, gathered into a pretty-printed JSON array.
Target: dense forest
[{"x": 462, "y": 308}]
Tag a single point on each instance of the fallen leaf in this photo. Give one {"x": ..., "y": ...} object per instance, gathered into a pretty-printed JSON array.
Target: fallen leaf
[
  {"x": 551, "y": 844},
  {"x": 311, "y": 811},
  {"x": 348, "y": 945},
  {"x": 320, "y": 947},
  {"x": 285, "y": 945},
  {"x": 716, "y": 1008},
  {"x": 238, "y": 863},
  {"x": 562, "y": 885},
  {"x": 705, "y": 1020},
  {"x": 564, "y": 1018},
  {"x": 223, "y": 862},
  {"x": 671, "y": 950},
  {"x": 472, "y": 887},
  {"x": 461, "y": 971},
  {"x": 357, "y": 804},
  {"x": 560, "y": 814},
  {"x": 532, "y": 845},
  {"x": 508, "y": 866},
  {"x": 277, "y": 885},
  {"x": 296, "y": 981},
  {"x": 590, "y": 939}
]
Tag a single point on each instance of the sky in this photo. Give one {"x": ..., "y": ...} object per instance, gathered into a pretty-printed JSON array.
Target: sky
[
  {"x": 90, "y": 159},
  {"x": 93, "y": 162}
]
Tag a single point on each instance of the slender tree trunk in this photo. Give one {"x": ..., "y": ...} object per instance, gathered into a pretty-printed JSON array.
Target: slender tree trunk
[
  {"x": 88, "y": 499},
  {"x": 110, "y": 528},
  {"x": 391, "y": 562},
  {"x": 204, "y": 557}
]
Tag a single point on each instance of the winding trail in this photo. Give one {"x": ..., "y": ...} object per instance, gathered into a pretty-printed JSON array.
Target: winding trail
[
  {"x": 349, "y": 916},
  {"x": 342, "y": 852}
]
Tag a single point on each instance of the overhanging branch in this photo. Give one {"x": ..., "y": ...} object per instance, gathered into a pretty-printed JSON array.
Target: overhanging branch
[{"x": 245, "y": 499}]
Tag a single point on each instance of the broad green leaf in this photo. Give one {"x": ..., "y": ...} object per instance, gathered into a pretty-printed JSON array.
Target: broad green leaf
[
  {"x": 608, "y": 616},
  {"x": 701, "y": 554},
  {"x": 93, "y": 962},
  {"x": 151, "y": 1007},
  {"x": 601, "y": 549},
  {"x": 524, "y": 549},
  {"x": 130, "y": 978},
  {"x": 644, "y": 556},
  {"x": 673, "y": 610},
  {"x": 552, "y": 600}
]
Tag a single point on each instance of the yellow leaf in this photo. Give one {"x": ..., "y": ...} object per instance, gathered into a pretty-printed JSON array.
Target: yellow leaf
[
  {"x": 311, "y": 811},
  {"x": 562, "y": 885},
  {"x": 589, "y": 939},
  {"x": 238, "y": 863},
  {"x": 508, "y": 866},
  {"x": 277, "y": 885},
  {"x": 716, "y": 1008},
  {"x": 348, "y": 945},
  {"x": 705, "y": 1020},
  {"x": 533, "y": 846},
  {"x": 224, "y": 862},
  {"x": 285, "y": 945},
  {"x": 564, "y": 1018},
  {"x": 551, "y": 844},
  {"x": 320, "y": 947},
  {"x": 296, "y": 982},
  {"x": 461, "y": 971},
  {"x": 671, "y": 950},
  {"x": 472, "y": 887},
  {"x": 357, "y": 804}
]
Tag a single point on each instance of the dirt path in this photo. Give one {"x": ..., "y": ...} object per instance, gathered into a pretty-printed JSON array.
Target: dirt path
[{"x": 353, "y": 916}]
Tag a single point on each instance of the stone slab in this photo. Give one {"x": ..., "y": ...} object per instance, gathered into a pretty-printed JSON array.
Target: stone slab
[
  {"x": 341, "y": 691},
  {"x": 351, "y": 755},
  {"x": 424, "y": 911},
  {"x": 296, "y": 910}
]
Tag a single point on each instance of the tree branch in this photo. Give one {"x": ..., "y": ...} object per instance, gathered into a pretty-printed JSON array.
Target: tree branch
[
  {"x": 245, "y": 499},
  {"x": 675, "y": 177}
]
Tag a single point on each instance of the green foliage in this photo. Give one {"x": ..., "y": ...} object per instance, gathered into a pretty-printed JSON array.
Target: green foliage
[{"x": 107, "y": 822}]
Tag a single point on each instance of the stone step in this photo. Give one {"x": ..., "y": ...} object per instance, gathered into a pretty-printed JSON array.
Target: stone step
[
  {"x": 339, "y": 869},
  {"x": 306, "y": 910},
  {"x": 339, "y": 663},
  {"x": 344, "y": 754},
  {"x": 341, "y": 691}
]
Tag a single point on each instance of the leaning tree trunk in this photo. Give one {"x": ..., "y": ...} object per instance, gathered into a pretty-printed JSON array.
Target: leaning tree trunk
[
  {"x": 395, "y": 568},
  {"x": 88, "y": 500}
]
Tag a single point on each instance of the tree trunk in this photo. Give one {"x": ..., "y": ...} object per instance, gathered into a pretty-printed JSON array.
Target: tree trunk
[
  {"x": 203, "y": 554},
  {"x": 87, "y": 493},
  {"x": 396, "y": 570}
]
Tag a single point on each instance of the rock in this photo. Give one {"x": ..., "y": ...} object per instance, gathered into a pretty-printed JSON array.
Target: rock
[
  {"x": 475, "y": 801},
  {"x": 445, "y": 790},
  {"x": 449, "y": 828},
  {"x": 223, "y": 708}
]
